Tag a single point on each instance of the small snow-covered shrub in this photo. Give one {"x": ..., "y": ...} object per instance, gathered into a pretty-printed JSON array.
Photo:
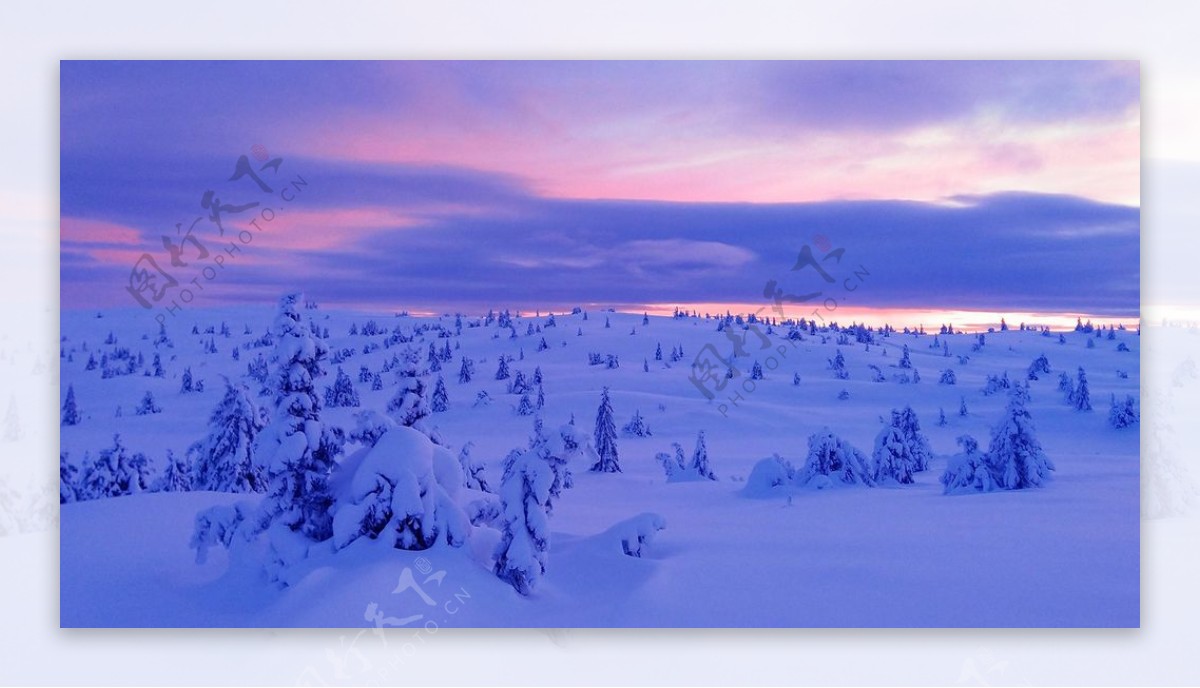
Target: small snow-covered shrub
[
  {"x": 831, "y": 456},
  {"x": 1124, "y": 413},
  {"x": 408, "y": 482},
  {"x": 968, "y": 471},
  {"x": 769, "y": 476},
  {"x": 637, "y": 426},
  {"x": 637, "y": 532}
]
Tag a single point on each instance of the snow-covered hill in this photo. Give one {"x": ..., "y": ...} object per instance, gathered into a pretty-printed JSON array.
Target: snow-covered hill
[{"x": 1065, "y": 554}]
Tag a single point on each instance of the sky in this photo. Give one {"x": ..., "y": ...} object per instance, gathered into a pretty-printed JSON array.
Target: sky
[{"x": 987, "y": 187}]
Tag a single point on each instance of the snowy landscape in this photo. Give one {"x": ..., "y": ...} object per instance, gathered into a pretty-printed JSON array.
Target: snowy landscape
[
  {"x": 604, "y": 344},
  {"x": 287, "y": 467}
]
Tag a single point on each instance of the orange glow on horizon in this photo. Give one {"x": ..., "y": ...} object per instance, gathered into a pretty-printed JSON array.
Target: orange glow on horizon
[{"x": 930, "y": 319}]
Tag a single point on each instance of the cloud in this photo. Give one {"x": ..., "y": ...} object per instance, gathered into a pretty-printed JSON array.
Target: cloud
[
  {"x": 685, "y": 131},
  {"x": 1008, "y": 251}
]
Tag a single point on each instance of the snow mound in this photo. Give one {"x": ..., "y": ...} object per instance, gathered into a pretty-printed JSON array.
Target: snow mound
[
  {"x": 635, "y": 533},
  {"x": 409, "y": 483},
  {"x": 770, "y": 477}
]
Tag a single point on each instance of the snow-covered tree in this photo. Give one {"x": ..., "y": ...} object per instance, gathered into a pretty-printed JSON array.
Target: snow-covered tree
[
  {"x": 831, "y": 456},
  {"x": 408, "y": 405},
  {"x": 756, "y": 372},
  {"x": 224, "y": 460},
  {"x": 441, "y": 399},
  {"x": 673, "y": 464},
  {"x": 969, "y": 470},
  {"x": 342, "y": 393},
  {"x": 147, "y": 406},
  {"x": 905, "y": 361},
  {"x": 637, "y": 426},
  {"x": 1123, "y": 414},
  {"x": 409, "y": 483},
  {"x": 297, "y": 450},
  {"x": 70, "y": 412},
  {"x": 838, "y": 365},
  {"x": 948, "y": 377},
  {"x": 502, "y": 369},
  {"x": 1082, "y": 397},
  {"x": 156, "y": 368},
  {"x": 524, "y": 493},
  {"x": 606, "y": 437},
  {"x": 525, "y": 407},
  {"x": 473, "y": 470},
  {"x": 187, "y": 385},
  {"x": 176, "y": 477},
  {"x": 918, "y": 444},
  {"x": 68, "y": 480},
  {"x": 466, "y": 370},
  {"x": 894, "y": 458},
  {"x": 1015, "y": 455},
  {"x": 115, "y": 472},
  {"x": 1040, "y": 365},
  {"x": 700, "y": 463}
]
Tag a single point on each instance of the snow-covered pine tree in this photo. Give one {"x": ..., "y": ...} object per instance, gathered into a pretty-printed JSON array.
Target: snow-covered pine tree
[
  {"x": 473, "y": 476},
  {"x": 1066, "y": 385},
  {"x": 1040, "y": 365},
  {"x": 525, "y": 406},
  {"x": 68, "y": 480},
  {"x": 519, "y": 384},
  {"x": 1123, "y": 414},
  {"x": 1015, "y": 455},
  {"x": 147, "y": 405},
  {"x": 893, "y": 458},
  {"x": 637, "y": 426},
  {"x": 297, "y": 450},
  {"x": 606, "y": 437},
  {"x": 70, "y": 412},
  {"x": 700, "y": 464},
  {"x": 441, "y": 399},
  {"x": 1083, "y": 396},
  {"x": 673, "y": 465},
  {"x": 962, "y": 407},
  {"x": 838, "y": 365},
  {"x": 502, "y": 369},
  {"x": 524, "y": 492},
  {"x": 342, "y": 394},
  {"x": 830, "y": 455},
  {"x": 187, "y": 385},
  {"x": 905, "y": 361},
  {"x": 224, "y": 461},
  {"x": 968, "y": 471},
  {"x": 465, "y": 371},
  {"x": 176, "y": 477},
  {"x": 756, "y": 372},
  {"x": 156, "y": 368},
  {"x": 918, "y": 444},
  {"x": 130, "y": 471}
]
